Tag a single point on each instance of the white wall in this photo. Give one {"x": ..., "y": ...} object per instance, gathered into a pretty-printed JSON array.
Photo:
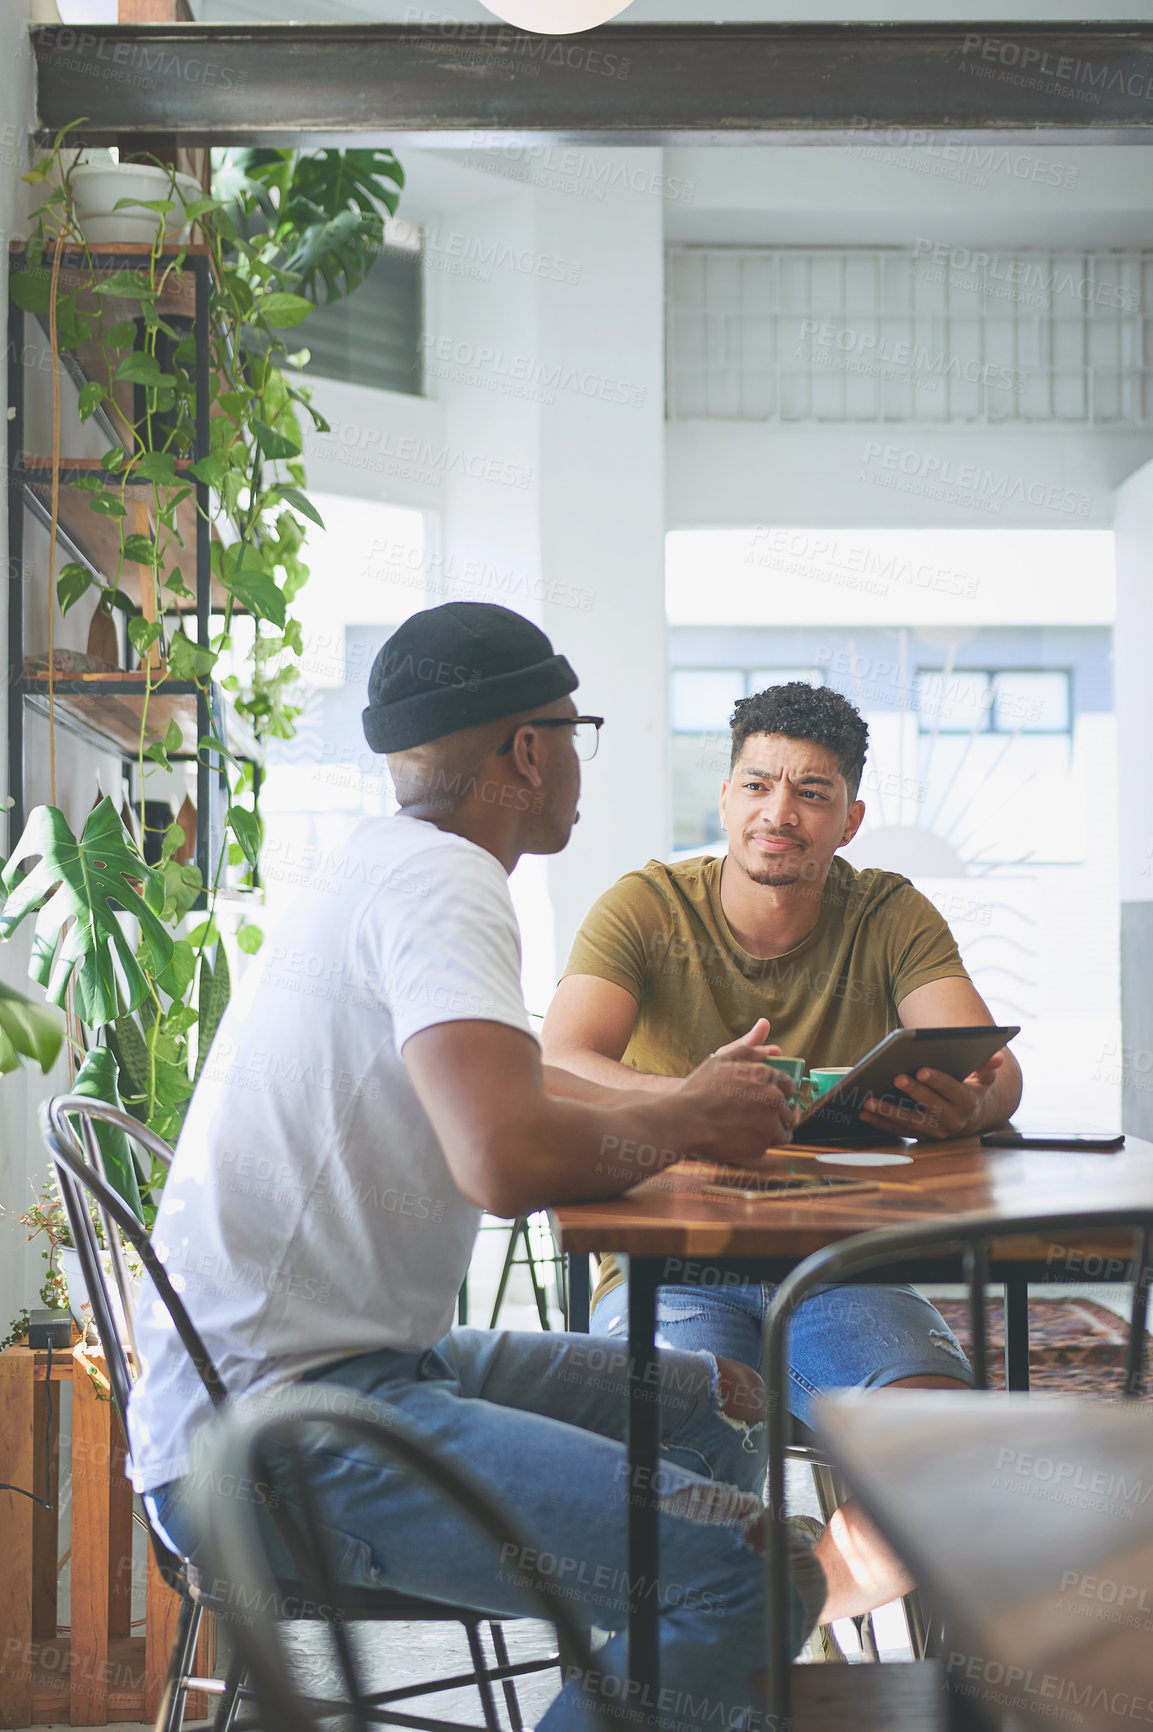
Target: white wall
[
  {"x": 544, "y": 346},
  {"x": 82, "y": 773},
  {"x": 728, "y": 472}
]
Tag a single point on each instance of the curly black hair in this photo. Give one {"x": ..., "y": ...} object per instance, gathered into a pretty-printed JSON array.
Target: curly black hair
[{"x": 803, "y": 712}]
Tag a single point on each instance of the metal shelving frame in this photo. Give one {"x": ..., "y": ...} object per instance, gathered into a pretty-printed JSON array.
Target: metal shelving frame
[{"x": 22, "y": 692}]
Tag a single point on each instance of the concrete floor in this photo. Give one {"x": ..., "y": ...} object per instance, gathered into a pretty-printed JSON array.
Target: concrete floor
[{"x": 404, "y": 1652}]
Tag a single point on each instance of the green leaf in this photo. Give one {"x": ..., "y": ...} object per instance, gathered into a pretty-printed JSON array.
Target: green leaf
[
  {"x": 188, "y": 660},
  {"x": 140, "y": 368},
  {"x": 177, "y": 977},
  {"x": 245, "y": 826},
  {"x": 215, "y": 991},
  {"x": 172, "y": 1083},
  {"x": 27, "y": 1031},
  {"x": 114, "y": 459},
  {"x": 210, "y": 743},
  {"x": 180, "y": 1020},
  {"x": 156, "y": 466},
  {"x": 132, "y": 285},
  {"x": 242, "y": 571},
  {"x": 249, "y": 938},
  {"x": 210, "y": 470},
  {"x": 234, "y": 403},
  {"x": 121, "y": 335},
  {"x": 143, "y": 633},
  {"x": 159, "y": 205},
  {"x": 73, "y": 582},
  {"x": 199, "y": 207},
  {"x": 91, "y": 396},
  {"x": 107, "y": 505},
  {"x": 280, "y": 309},
  {"x": 185, "y": 351},
  {"x": 79, "y": 885},
  {"x": 182, "y": 885},
  {"x": 300, "y": 502},
  {"x": 139, "y": 549},
  {"x": 272, "y": 444},
  {"x": 71, "y": 327},
  {"x": 40, "y": 170},
  {"x": 97, "y": 1080},
  {"x": 31, "y": 290},
  {"x": 131, "y": 1053},
  {"x": 87, "y": 484}
]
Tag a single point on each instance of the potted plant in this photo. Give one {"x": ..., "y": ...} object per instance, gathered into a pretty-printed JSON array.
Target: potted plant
[{"x": 144, "y": 976}]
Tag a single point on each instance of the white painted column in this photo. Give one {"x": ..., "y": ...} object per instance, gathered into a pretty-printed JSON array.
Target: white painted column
[
  {"x": 545, "y": 347},
  {"x": 603, "y": 508},
  {"x": 1133, "y": 655}
]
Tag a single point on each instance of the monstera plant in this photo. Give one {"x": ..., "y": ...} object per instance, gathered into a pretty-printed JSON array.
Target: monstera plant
[{"x": 132, "y": 951}]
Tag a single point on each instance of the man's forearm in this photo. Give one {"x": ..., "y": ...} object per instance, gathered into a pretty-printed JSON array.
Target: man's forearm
[
  {"x": 569, "y": 1085},
  {"x": 599, "y": 1148},
  {"x": 607, "y": 1073}
]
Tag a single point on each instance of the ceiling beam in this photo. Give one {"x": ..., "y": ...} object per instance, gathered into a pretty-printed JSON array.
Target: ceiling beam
[{"x": 296, "y": 84}]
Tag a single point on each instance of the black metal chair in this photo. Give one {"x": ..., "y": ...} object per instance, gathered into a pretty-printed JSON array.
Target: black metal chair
[
  {"x": 83, "y": 1185},
  {"x": 886, "y": 1250},
  {"x": 535, "y": 1258},
  {"x": 236, "y": 1451}
]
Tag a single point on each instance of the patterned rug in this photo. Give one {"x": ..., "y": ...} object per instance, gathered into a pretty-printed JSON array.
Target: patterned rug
[{"x": 1075, "y": 1346}]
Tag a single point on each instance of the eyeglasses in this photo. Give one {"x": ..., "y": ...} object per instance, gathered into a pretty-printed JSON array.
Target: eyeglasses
[{"x": 586, "y": 733}]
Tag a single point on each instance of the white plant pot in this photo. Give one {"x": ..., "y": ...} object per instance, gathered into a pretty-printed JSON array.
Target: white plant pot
[
  {"x": 97, "y": 187},
  {"x": 78, "y": 1301}
]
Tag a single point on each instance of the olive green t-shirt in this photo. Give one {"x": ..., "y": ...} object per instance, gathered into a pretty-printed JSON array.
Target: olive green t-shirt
[{"x": 661, "y": 934}]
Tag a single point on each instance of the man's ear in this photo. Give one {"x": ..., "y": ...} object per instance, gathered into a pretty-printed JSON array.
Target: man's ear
[
  {"x": 725, "y": 786},
  {"x": 852, "y": 822},
  {"x": 527, "y": 755}
]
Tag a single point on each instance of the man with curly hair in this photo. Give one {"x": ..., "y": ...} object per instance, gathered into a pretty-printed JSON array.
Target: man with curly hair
[{"x": 783, "y": 937}]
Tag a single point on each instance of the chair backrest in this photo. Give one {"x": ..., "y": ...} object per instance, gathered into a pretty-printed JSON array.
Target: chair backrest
[
  {"x": 235, "y": 1451},
  {"x": 80, "y": 1176},
  {"x": 882, "y": 1249}
]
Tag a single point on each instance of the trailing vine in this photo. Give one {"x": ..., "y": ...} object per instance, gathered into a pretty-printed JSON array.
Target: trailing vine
[{"x": 290, "y": 232}]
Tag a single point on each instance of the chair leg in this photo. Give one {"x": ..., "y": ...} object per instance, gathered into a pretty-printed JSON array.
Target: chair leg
[
  {"x": 483, "y": 1682},
  {"x": 230, "y": 1701},
  {"x": 508, "y": 1685},
  {"x": 509, "y": 1258},
  {"x": 915, "y": 1624},
  {"x": 170, "y": 1714},
  {"x": 538, "y": 1291}
]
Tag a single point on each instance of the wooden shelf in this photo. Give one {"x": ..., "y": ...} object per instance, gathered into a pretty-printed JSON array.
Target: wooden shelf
[
  {"x": 86, "y": 362},
  {"x": 107, "y": 709},
  {"x": 96, "y": 539},
  {"x": 177, "y": 298}
]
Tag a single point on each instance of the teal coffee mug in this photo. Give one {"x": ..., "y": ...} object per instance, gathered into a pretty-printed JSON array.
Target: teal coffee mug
[
  {"x": 823, "y": 1079},
  {"x": 790, "y": 1067}
]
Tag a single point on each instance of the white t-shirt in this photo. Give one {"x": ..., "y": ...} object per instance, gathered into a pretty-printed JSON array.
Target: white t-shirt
[{"x": 310, "y": 1213}]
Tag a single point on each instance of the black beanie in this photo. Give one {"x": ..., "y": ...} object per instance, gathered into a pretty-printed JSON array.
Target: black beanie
[{"x": 457, "y": 666}]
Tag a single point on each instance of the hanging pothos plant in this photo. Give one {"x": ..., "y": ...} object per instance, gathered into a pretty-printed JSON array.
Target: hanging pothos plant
[{"x": 145, "y": 993}]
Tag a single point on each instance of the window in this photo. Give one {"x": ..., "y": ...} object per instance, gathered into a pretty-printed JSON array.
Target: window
[
  {"x": 981, "y": 701},
  {"x": 373, "y": 336}
]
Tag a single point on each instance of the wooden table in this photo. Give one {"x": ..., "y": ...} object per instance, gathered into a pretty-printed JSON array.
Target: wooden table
[
  {"x": 673, "y": 1232},
  {"x": 1041, "y": 1555},
  {"x": 101, "y": 1669}
]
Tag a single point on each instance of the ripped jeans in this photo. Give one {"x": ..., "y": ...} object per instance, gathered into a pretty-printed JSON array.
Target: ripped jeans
[
  {"x": 539, "y": 1420},
  {"x": 839, "y": 1338}
]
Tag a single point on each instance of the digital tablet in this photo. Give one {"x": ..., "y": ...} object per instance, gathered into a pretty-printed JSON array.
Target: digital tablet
[
  {"x": 956, "y": 1051},
  {"x": 754, "y": 1187}
]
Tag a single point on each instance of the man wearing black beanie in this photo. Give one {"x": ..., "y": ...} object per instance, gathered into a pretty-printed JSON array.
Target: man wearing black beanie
[{"x": 321, "y": 1210}]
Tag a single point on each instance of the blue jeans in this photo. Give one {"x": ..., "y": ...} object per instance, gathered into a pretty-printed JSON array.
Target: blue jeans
[
  {"x": 840, "y": 1338},
  {"x": 540, "y": 1420}
]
